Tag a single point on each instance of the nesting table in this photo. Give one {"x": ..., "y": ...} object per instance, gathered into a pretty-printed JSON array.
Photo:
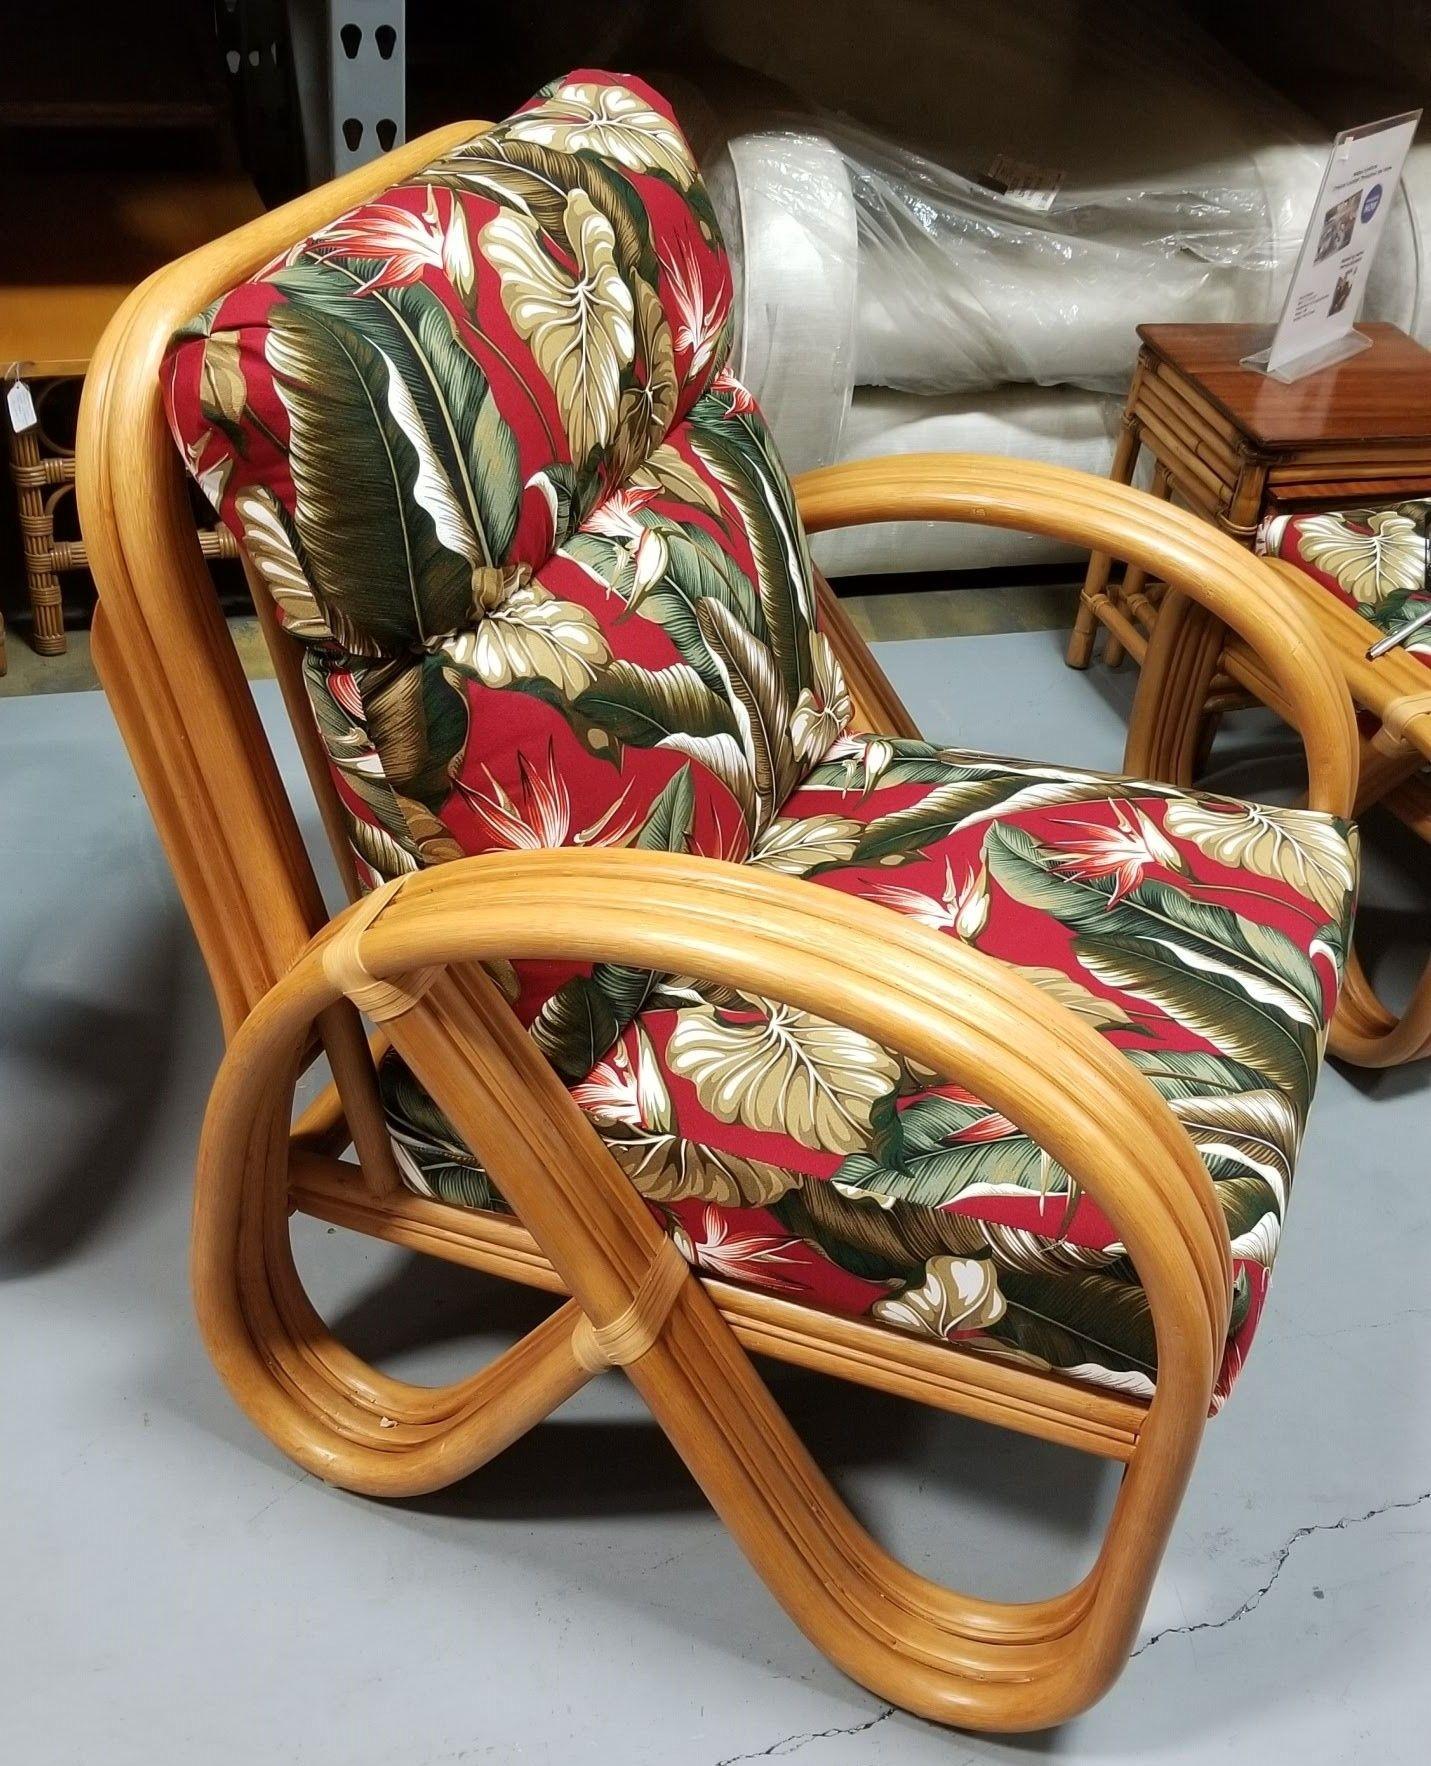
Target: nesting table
[{"x": 1238, "y": 446}]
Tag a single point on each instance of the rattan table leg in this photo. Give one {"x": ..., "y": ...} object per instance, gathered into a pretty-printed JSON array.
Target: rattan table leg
[
  {"x": 1128, "y": 594},
  {"x": 1096, "y": 594},
  {"x": 33, "y": 487}
]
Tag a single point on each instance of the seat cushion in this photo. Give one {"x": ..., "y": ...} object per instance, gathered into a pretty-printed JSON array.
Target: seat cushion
[
  {"x": 1203, "y": 936},
  {"x": 1373, "y": 559},
  {"x": 477, "y": 440}
]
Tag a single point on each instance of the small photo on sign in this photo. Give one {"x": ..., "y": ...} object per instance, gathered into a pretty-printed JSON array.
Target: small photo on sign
[
  {"x": 1338, "y": 225},
  {"x": 1342, "y": 292}
]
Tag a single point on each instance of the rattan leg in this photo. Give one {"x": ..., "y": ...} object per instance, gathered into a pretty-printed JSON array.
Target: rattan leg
[
  {"x": 1167, "y": 730},
  {"x": 1095, "y": 593},
  {"x": 1129, "y": 595},
  {"x": 37, "y": 537},
  {"x": 1368, "y": 1034},
  {"x": 935, "y": 1651}
]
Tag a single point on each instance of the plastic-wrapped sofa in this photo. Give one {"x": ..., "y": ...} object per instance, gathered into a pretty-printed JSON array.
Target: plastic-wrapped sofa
[{"x": 968, "y": 275}]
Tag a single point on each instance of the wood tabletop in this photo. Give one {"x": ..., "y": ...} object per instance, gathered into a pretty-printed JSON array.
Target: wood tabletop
[{"x": 1382, "y": 395}]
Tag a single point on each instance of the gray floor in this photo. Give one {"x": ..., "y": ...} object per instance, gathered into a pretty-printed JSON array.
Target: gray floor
[{"x": 173, "y": 1591}]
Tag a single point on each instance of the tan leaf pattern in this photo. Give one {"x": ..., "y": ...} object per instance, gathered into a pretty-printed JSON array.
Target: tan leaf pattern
[
  {"x": 822, "y": 713},
  {"x": 787, "y": 1071},
  {"x": 610, "y": 121},
  {"x": 223, "y": 391},
  {"x": 271, "y": 553},
  {"x": 664, "y": 470},
  {"x": 1101, "y": 1013},
  {"x": 533, "y": 636},
  {"x": 797, "y": 845},
  {"x": 579, "y": 328},
  {"x": 666, "y": 1168},
  {"x": 1309, "y": 854},
  {"x": 957, "y": 1294},
  {"x": 1371, "y": 566}
]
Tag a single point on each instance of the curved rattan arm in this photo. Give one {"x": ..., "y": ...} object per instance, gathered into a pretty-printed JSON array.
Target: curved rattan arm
[
  {"x": 952, "y": 1009},
  {"x": 1172, "y": 545}
]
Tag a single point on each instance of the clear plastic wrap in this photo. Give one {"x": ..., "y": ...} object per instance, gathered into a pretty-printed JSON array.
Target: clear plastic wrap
[
  {"x": 1028, "y": 183},
  {"x": 784, "y": 201},
  {"x": 1061, "y": 425},
  {"x": 1153, "y": 178},
  {"x": 956, "y": 284},
  {"x": 963, "y": 284}
]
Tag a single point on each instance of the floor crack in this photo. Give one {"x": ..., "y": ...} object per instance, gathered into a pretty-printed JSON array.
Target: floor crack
[
  {"x": 1255, "y": 1599},
  {"x": 791, "y": 1744}
]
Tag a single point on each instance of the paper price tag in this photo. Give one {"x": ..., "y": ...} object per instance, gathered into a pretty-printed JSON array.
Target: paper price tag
[
  {"x": 21, "y": 407},
  {"x": 1030, "y": 186}
]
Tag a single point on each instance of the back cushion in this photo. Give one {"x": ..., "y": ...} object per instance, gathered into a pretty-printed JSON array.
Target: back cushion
[{"x": 477, "y": 439}]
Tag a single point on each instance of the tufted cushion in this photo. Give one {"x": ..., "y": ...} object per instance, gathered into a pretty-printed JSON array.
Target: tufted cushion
[
  {"x": 1203, "y": 936},
  {"x": 477, "y": 440}
]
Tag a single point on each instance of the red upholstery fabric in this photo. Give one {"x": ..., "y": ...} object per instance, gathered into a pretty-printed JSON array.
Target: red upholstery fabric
[
  {"x": 1202, "y": 936},
  {"x": 476, "y": 439}
]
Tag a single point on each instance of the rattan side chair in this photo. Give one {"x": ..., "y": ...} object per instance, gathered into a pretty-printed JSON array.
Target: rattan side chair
[{"x": 1014, "y": 1143}]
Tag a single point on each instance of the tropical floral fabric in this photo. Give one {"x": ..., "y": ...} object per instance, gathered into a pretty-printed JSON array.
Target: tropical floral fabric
[
  {"x": 1203, "y": 936},
  {"x": 652, "y": 684},
  {"x": 1376, "y": 560},
  {"x": 479, "y": 441}
]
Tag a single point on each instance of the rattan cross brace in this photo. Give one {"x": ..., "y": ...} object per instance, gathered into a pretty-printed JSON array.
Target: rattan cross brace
[
  {"x": 633, "y": 1332},
  {"x": 1395, "y": 730}
]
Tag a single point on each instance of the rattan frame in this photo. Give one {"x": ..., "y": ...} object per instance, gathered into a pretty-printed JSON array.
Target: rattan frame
[
  {"x": 232, "y": 838},
  {"x": 1392, "y": 766}
]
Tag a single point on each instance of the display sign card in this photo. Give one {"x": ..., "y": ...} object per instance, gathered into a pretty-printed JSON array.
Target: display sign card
[{"x": 1329, "y": 282}]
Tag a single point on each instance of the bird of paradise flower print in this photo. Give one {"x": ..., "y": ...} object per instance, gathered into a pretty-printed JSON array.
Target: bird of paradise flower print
[
  {"x": 1124, "y": 852},
  {"x": 402, "y": 245}
]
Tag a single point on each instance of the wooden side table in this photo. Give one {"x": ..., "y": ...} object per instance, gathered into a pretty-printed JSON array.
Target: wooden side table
[
  {"x": 1237, "y": 447},
  {"x": 82, "y": 242}
]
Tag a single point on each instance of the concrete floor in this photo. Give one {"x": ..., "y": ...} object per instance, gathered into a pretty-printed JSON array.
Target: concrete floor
[{"x": 174, "y": 1591}]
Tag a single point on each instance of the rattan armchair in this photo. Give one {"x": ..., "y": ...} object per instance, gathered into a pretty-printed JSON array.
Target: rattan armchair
[{"x": 427, "y": 955}]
